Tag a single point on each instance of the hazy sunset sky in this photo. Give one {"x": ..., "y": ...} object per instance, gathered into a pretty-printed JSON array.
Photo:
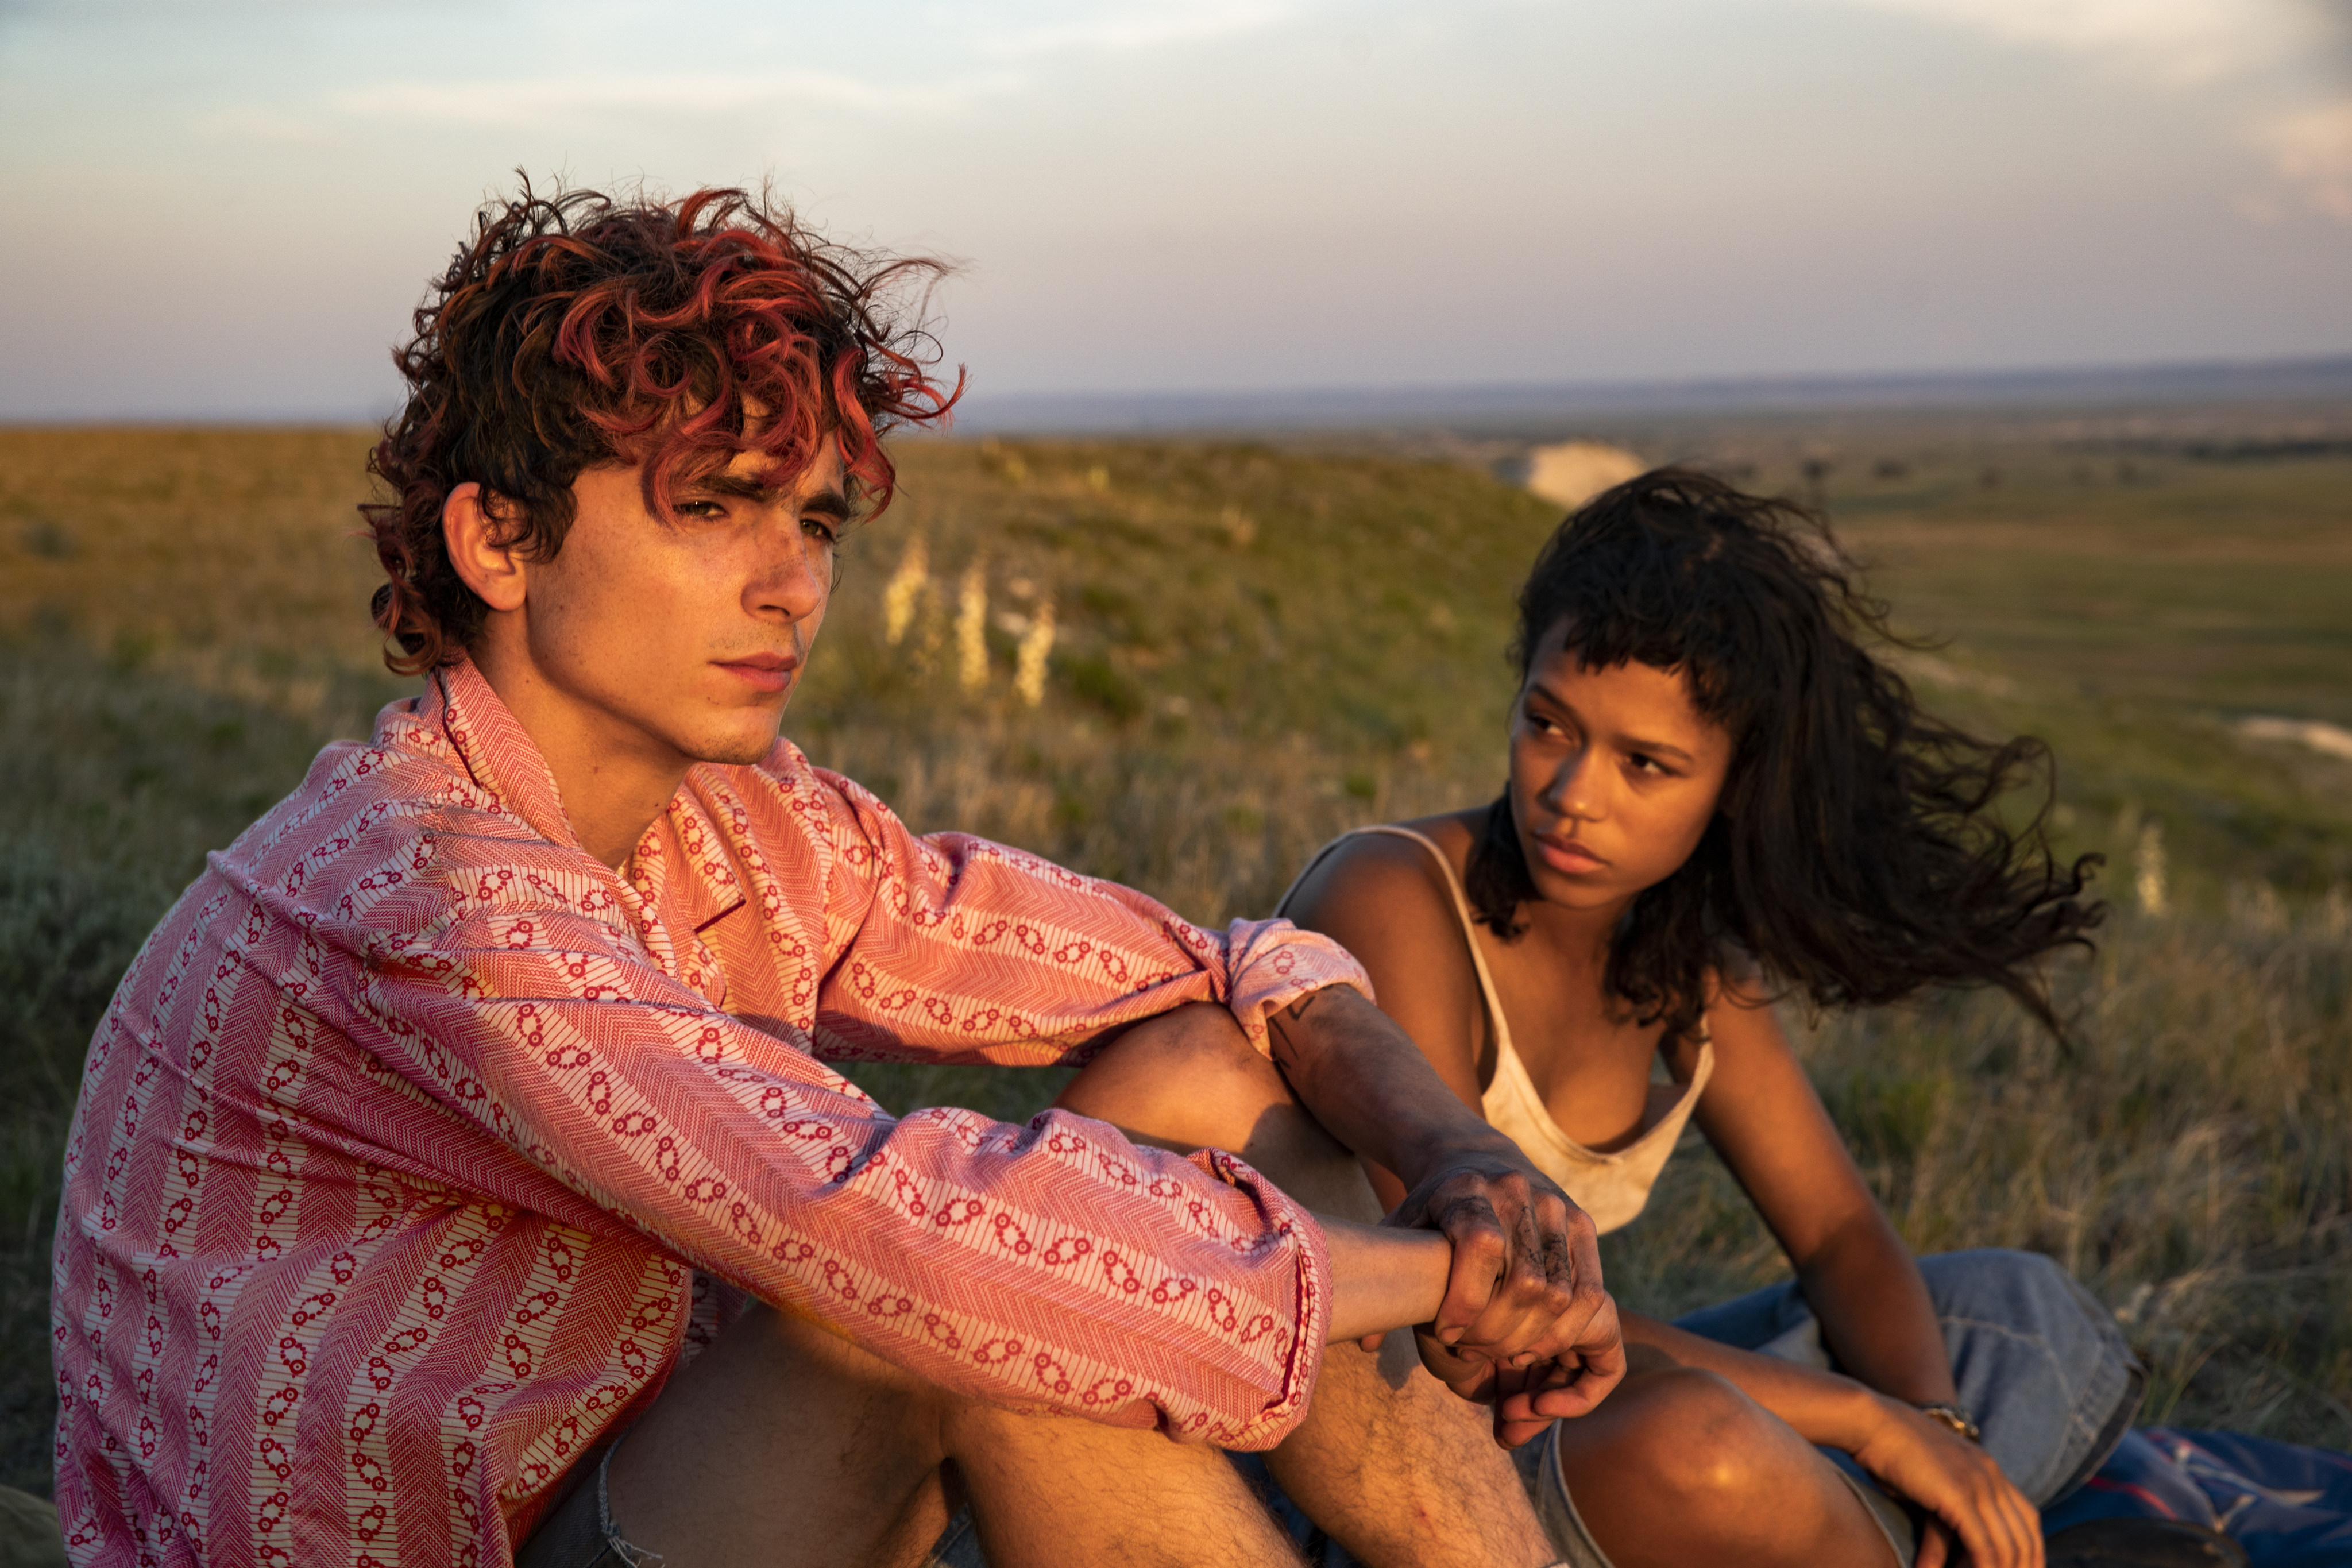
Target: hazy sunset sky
[{"x": 228, "y": 209}]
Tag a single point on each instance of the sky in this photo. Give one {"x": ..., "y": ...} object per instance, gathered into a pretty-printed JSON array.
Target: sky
[{"x": 228, "y": 209}]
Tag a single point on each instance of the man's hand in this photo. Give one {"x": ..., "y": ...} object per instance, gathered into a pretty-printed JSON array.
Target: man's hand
[
  {"x": 1526, "y": 1260},
  {"x": 1527, "y": 1399},
  {"x": 1387, "y": 1274},
  {"x": 1525, "y": 1325}
]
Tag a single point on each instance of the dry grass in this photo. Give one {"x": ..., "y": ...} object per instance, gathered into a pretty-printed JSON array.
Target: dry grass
[
  {"x": 1255, "y": 649},
  {"x": 2189, "y": 1158}
]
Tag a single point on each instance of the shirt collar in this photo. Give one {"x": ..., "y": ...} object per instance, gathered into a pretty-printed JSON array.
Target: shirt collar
[
  {"x": 681, "y": 869},
  {"x": 495, "y": 748}
]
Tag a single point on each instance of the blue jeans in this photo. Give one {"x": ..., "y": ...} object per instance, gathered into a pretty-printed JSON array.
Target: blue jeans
[{"x": 2039, "y": 1362}]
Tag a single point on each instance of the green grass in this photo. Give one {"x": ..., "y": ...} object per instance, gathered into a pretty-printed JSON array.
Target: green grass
[{"x": 1259, "y": 646}]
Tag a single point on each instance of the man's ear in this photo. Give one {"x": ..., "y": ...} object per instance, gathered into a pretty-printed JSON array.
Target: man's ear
[{"x": 493, "y": 570}]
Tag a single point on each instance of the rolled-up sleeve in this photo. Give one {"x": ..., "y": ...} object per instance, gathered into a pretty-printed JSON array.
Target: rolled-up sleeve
[{"x": 952, "y": 948}]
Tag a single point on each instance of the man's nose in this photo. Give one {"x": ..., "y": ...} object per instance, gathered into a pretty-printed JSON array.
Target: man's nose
[{"x": 795, "y": 574}]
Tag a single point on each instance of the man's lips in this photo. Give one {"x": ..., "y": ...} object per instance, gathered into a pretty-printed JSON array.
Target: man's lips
[
  {"x": 761, "y": 671},
  {"x": 1567, "y": 856}
]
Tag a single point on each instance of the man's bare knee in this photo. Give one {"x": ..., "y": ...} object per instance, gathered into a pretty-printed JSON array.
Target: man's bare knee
[{"x": 1048, "y": 1489}]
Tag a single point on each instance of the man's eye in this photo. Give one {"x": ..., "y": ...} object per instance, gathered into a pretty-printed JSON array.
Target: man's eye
[
  {"x": 703, "y": 509},
  {"x": 822, "y": 528}
]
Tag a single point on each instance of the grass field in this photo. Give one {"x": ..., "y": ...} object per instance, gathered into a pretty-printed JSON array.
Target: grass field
[{"x": 1257, "y": 647}]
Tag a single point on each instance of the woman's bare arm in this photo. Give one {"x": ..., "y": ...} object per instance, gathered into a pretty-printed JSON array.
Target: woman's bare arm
[{"x": 1763, "y": 1118}]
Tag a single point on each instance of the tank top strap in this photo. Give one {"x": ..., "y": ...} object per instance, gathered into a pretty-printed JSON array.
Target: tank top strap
[{"x": 1496, "y": 1021}]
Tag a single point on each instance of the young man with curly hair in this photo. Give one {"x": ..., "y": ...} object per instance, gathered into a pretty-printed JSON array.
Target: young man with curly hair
[{"x": 456, "y": 1174}]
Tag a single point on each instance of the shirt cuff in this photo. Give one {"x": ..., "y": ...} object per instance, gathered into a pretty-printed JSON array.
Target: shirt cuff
[
  {"x": 1271, "y": 963},
  {"x": 1286, "y": 1222}
]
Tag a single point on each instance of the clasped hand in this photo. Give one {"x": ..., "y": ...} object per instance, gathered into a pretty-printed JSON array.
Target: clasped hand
[{"x": 1526, "y": 1326}]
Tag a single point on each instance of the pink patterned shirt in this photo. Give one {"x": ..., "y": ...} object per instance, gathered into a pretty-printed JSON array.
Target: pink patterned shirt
[{"x": 418, "y": 1147}]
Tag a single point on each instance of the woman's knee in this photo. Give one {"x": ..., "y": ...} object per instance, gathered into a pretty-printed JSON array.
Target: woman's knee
[
  {"x": 1696, "y": 1442},
  {"x": 1186, "y": 1079}
]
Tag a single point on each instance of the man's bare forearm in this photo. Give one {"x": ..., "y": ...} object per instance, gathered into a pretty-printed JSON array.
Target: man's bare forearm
[
  {"x": 1384, "y": 1279},
  {"x": 1364, "y": 1080}
]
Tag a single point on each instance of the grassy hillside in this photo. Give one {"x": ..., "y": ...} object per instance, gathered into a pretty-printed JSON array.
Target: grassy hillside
[{"x": 1258, "y": 646}]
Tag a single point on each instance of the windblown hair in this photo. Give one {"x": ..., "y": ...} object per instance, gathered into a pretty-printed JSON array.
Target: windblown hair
[
  {"x": 1857, "y": 853},
  {"x": 574, "y": 330}
]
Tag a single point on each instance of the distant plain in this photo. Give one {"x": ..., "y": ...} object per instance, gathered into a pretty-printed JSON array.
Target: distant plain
[{"x": 1260, "y": 643}]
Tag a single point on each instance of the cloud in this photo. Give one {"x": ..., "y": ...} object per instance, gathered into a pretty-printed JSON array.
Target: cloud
[
  {"x": 2175, "y": 43},
  {"x": 995, "y": 64},
  {"x": 534, "y": 101},
  {"x": 251, "y": 123},
  {"x": 2263, "y": 51},
  {"x": 1138, "y": 29},
  {"x": 2312, "y": 149}
]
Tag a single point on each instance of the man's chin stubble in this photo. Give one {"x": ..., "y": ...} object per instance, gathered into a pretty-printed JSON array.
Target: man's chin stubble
[{"x": 736, "y": 751}]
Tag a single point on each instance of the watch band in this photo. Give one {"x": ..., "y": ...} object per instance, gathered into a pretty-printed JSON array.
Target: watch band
[{"x": 1955, "y": 1417}]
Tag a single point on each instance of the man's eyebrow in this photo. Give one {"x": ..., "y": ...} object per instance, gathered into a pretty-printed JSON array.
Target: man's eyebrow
[
  {"x": 742, "y": 487},
  {"x": 1630, "y": 742},
  {"x": 832, "y": 501}
]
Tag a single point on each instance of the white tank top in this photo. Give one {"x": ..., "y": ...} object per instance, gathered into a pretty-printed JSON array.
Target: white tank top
[{"x": 1611, "y": 1187}]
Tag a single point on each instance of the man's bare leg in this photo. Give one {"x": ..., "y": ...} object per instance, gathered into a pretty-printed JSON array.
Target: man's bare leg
[
  {"x": 783, "y": 1445},
  {"x": 1389, "y": 1461}
]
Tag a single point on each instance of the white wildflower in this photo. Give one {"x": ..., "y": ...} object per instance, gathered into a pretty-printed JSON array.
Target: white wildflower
[
  {"x": 2147, "y": 869},
  {"x": 972, "y": 628},
  {"x": 1037, "y": 644},
  {"x": 904, "y": 591}
]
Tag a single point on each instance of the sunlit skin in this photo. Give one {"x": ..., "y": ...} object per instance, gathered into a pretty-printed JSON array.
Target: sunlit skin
[
  {"x": 1615, "y": 775},
  {"x": 648, "y": 644}
]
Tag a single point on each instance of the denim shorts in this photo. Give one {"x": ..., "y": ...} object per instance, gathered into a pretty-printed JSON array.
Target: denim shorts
[{"x": 580, "y": 1533}]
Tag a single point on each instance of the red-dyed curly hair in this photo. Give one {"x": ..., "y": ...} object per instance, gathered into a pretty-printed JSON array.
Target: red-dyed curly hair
[{"x": 575, "y": 330}]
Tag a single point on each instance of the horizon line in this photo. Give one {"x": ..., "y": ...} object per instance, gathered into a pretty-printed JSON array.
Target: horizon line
[{"x": 1329, "y": 405}]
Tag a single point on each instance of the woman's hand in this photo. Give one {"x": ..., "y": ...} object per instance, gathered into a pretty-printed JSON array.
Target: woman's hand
[{"x": 1956, "y": 1481}]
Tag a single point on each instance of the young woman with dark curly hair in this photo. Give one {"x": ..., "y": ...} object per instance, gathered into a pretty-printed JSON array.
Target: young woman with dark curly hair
[{"x": 1718, "y": 798}]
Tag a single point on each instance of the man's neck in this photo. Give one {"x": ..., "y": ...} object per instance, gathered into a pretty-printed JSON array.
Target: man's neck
[{"x": 614, "y": 779}]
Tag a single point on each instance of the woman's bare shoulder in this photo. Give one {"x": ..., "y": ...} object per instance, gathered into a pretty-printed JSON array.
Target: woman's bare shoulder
[
  {"x": 1383, "y": 869},
  {"x": 1385, "y": 898}
]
